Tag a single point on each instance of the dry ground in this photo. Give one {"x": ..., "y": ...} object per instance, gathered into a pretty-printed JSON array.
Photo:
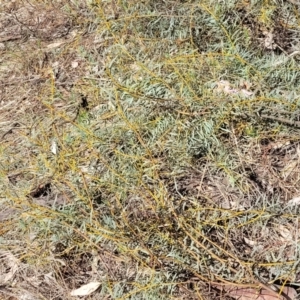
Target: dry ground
[{"x": 152, "y": 147}]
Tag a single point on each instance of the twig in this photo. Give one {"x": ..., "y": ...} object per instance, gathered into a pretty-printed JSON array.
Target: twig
[
  {"x": 10, "y": 38},
  {"x": 282, "y": 120}
]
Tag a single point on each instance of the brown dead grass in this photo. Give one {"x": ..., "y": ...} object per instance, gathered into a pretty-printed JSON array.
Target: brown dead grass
[{"x": 45, "y": 85}]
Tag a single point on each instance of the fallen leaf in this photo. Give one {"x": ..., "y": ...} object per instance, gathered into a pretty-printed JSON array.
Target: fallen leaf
[
  {"x": 285, "y": 233},
  {"x": 54, "y": 148},
  {"x": 259, "y": 294},
  {"x": 55, "y": 45},
  {"x": 74, "y": 64},
  {"x": 224, "y": 86},
  {"x": 245, "y": 93},
  {"x": 86, "y": 289},
  {"x": 250, "y": 242},
  {"x": 294, "y": 201},
  {"x": 269, "y": 40}
]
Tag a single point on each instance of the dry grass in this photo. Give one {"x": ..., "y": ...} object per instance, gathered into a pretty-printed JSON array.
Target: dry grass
[{"x": 150, "y": 146}]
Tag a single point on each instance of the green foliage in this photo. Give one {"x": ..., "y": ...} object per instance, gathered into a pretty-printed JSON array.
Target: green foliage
[{"x": 163, "y": 174}]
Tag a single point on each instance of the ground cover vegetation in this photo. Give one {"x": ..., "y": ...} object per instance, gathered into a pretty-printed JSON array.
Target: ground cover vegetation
[{"x": 151, "y": 147}]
